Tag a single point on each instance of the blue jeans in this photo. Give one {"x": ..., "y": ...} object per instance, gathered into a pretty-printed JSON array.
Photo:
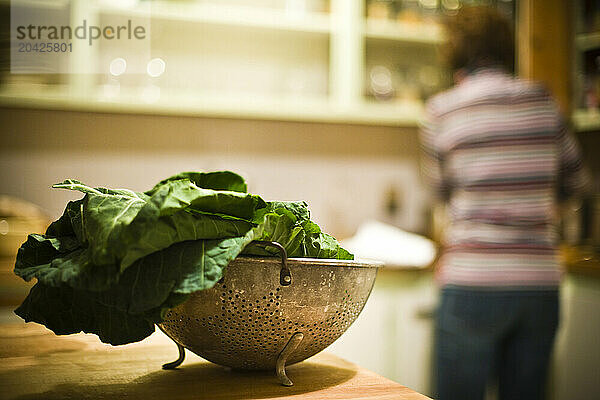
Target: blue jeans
[{"x": 483, "y": 335}]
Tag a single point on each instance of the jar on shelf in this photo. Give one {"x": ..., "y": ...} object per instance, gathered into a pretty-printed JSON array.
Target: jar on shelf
[
  {"x": 449, "y": 7},
  {"x": 381, "y": 86}
]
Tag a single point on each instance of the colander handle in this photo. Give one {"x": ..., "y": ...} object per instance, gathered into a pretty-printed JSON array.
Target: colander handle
[{"x": 285, "y": 277}]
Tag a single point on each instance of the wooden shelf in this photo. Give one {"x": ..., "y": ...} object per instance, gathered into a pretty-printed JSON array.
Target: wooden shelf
[
  {"x": 284, "y": 108},
  {"x": 215, "y": 14},
  {"x": 585, "y": 120},
  {"x": 581, "y": 260},
  {"x": 422, "y": 33}
]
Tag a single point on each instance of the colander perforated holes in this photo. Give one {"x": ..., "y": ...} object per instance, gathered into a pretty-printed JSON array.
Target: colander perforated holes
[{"x": 243, "y": 322}]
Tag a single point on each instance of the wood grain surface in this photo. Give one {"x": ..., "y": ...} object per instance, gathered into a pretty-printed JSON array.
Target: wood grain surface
[{"x": 36, "y": 364}]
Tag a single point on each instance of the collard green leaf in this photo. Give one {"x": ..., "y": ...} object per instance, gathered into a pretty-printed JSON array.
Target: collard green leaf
[
  {"x": 173, "y": 196},
  {"x": 175, "y": 213},
  {"x": 122, "y": 227},
  {"x": 219, "y": 180},
  {"x": 63, "y": 225},
  {"x": 321, "y": 245},
  {"x": 298, "y": 209},
  {"x": 280, "y": 226},
  {"x": 288, "y": 224},
  {"x": 183, "y": 268},
  {"x": 65, "y": 310},
  {"x": 144, "y": 292},
  {"x": 73, "y": 184},
  {"x": 105, "y": 217},
  {"x": 39, "y": 249},
  {"x": 142, "y": 239},
  {"x": 58, "y": 261},
  {"x": 217, "y": 254}
]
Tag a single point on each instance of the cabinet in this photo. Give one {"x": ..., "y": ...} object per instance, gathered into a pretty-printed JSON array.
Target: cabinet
[
  {"x": 574, "y": 374},
  {"x": 307, "y": 60},
  {"x": 343, "y": 61},
  {"x": 586, "y": 101}
]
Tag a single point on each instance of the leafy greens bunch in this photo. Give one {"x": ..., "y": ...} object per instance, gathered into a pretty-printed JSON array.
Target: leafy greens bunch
[{"x": 117, "y": 260}]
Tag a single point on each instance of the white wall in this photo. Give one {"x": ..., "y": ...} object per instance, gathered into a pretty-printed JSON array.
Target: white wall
[{"x": 343, "y": 172}]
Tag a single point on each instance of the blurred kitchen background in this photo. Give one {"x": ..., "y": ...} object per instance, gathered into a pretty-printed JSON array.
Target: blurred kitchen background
[{"x": 315, "y": 100}]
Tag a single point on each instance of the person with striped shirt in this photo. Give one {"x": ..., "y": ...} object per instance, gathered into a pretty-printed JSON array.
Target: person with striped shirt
[{"x": 498, "y": 152}]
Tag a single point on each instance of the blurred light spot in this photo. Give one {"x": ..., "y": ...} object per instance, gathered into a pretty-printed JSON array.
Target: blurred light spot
[
  {"x": 156, "y": 67},
  {"x": 118, "y": 66},
  {"x": 451, "y": 5},
  {"x": 4, "y": 227},
  {"x": 381, "y": 80}
]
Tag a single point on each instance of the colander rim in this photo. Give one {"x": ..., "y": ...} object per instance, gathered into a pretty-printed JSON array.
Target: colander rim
[{"x": 314, "y": 262}]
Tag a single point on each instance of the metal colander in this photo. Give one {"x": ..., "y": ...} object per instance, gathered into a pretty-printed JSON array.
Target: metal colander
[{"x": 266, "y": 312}]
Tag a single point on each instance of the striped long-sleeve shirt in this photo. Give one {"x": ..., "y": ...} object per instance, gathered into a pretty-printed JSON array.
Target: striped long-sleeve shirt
[{"x": 497, "y": 150}]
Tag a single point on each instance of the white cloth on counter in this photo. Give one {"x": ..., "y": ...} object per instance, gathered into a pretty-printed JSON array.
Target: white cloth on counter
[{"x": 393, "y": 246}]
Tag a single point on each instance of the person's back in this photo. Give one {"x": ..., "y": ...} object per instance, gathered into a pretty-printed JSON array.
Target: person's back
[{"x": 504, "y": 155}]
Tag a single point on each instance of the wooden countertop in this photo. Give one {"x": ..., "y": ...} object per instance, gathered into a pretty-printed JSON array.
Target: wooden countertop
[
  {"x": 582, "y": 260},
  {"x": 36, "y": 364}
]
